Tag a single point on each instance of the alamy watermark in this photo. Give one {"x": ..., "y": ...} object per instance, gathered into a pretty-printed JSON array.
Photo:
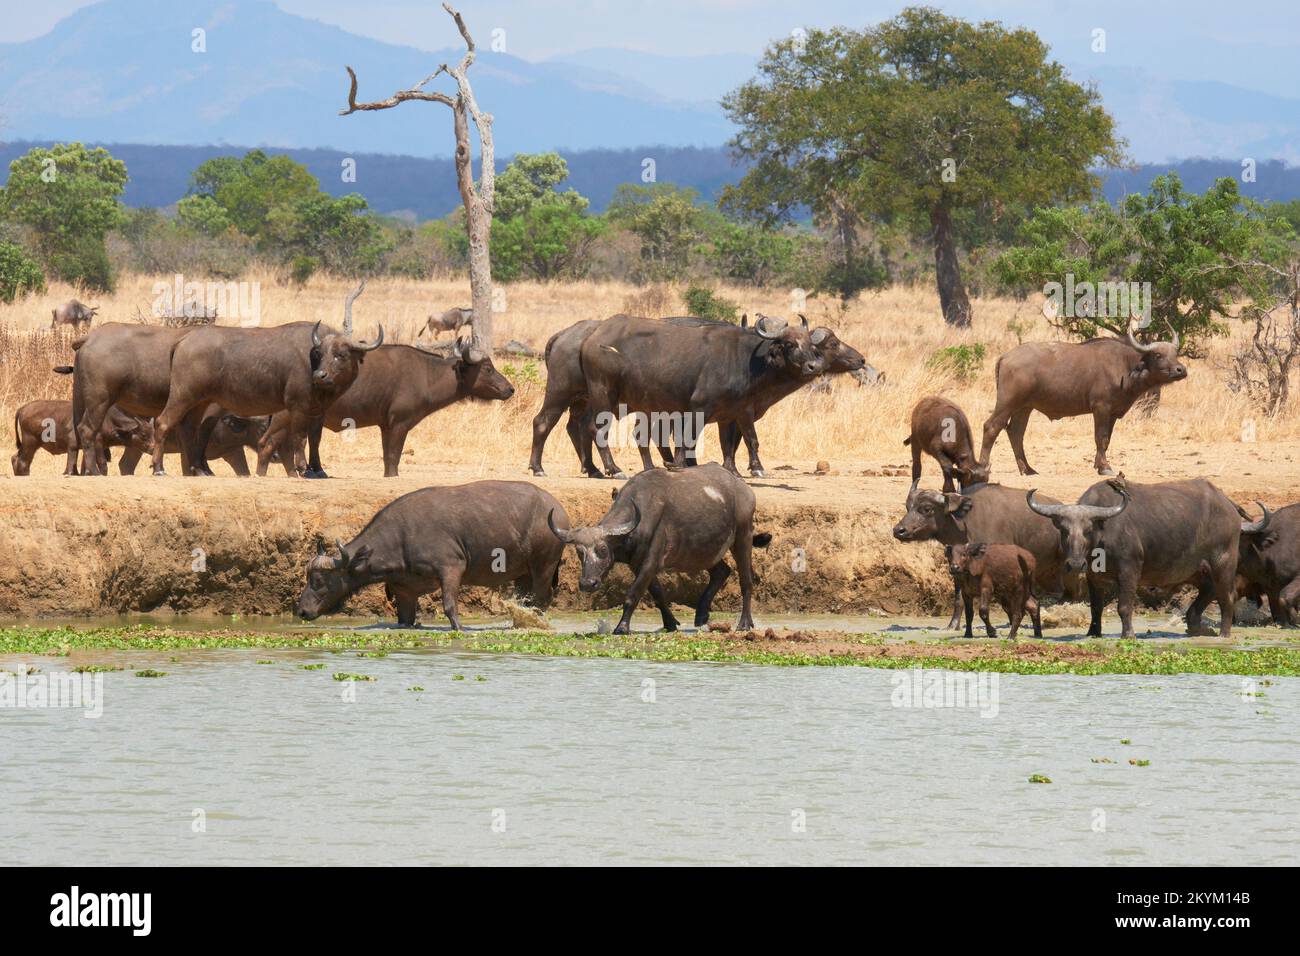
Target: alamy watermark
[
  {"x": 241, "y": 301},
  {"x": 936, "y": 688},
  {"x": 1095, "y": 300},
  {"x": 60, "y": 689},
  {"x": 650, "y": 429}
]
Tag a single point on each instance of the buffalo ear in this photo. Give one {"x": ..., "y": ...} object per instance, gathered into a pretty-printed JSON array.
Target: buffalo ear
[
  {"x": 320, "y": 547},
  {"x": 359, "y": 561},
  {"x": 947, "y": 551},
  {"x": 978, "y": 550},
  {"x": 957, "y": 505}
]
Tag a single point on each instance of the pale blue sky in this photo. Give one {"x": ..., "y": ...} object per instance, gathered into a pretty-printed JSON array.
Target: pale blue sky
[{"x": 1255, "y": 45}]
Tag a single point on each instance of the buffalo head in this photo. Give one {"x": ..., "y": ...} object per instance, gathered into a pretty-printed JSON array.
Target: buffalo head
[
  {"x": 837, "y": 356},
  {"x": 1159, "y": 360},
  {"x": 596, "y": 545},
  {"x": 932, "y": 514},
  {"x": 478, "y": 377},
  {"x": 1080, "y": 527},
  {"x": 792, "y": 347},
  {"x": 330, "y": 579},
  {"x": 966, "y": 559},
  {"x": 336, "y": 358}
]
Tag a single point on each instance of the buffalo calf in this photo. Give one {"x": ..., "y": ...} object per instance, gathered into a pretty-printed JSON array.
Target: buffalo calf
[
  {"x": 48, "y": 425},
  {"x": 487, "y": 533},
  {"x": 940, "y": 429},
  {"x": 1001, "y": 572}
]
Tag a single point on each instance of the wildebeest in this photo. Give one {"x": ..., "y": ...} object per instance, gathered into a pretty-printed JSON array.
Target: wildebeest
[
  {"x": 672, "y": 521},
  {"x": 566, "y": 386},
  {"x": 73, "y": 313},
  {"x": 127, "y": 365},
  {"x": 259, "y": 371},
  {"x": 1268, "y": 564},
  {"x": 1162, "y": 535},
  {"x": 228, "y": 438},
  {"x": 1103, "y": 377},
  {"x": 47, "y": 424},
  {"x": 488, "y": 533},
  {"x": 1001, "y": 572},
  {"x": 988, "y": 513},
  {"x": 396, "y": 388},
  {"x": 453, "y": 320},
  {"x": 940, "y": 429}
]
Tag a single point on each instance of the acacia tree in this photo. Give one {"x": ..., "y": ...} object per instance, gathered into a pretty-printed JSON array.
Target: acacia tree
[
  {"x": 911, "y": 120},
  {"x": 479, "y": 199}
]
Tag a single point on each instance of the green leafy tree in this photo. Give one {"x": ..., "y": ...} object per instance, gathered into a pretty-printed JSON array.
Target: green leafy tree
[
  {"x": 1201, "y": 254},
  {"x": 530, "y": 178},
  {"x": 204, "y": 215},
  {"x": 20, "y": 275},
  {"x": 249, "y": 187},
  {"x": 667, "y": 221},
  {"x": 69, "y": 197},
  {"x": 334, "y": 232},
  {"x": 915, "y": 119},
  {"x": 537, "y": 231}
]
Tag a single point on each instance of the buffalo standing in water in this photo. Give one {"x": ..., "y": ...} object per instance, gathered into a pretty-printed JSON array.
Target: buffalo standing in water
[
  {"x": 673, "y": 521},
  {"x": 487, "y": 533}
]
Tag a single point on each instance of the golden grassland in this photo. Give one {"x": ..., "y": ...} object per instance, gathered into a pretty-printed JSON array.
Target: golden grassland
[{"x": 852, "y": 426}]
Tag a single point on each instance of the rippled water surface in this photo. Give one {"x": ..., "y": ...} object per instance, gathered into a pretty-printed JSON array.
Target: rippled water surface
[{"x": 511, "y": 759}]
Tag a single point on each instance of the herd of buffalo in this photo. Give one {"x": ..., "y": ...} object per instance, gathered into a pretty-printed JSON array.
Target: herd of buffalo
[{"x": 215, "y": 391}]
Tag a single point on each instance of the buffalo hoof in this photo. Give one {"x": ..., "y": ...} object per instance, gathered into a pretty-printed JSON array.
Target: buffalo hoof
[
  {"x": 1106, "y": 471},
  {"x": 745, "y": 624},
  {"x": 621, "y": 628},
  {"x": 672, "y": 625},
  {"x": 701, "y": 620},
  {"x": 757, "y": 473},
  {"x": 159, "y": 473},
  {"x": 315, "y": 473},
  {"x": 619, "y": 476},
  {"x": 1027, "y": 470},
  {"x": 1201, "y": 630},
  {"x": 537, "y": 472},
  {"x": 953, "y": 625},
  {"x": 593, "y": 473}
]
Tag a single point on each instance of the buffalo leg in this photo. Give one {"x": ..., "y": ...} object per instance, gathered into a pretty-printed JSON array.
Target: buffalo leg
[
  {"x": 1016, "y": 435},
  {"x": 742, "y": 549},
  {"x": 1204, "y": 595},
  {"x": 22, "y": 459},
  {"x": 88, "y": 427},
  {"x": 1127, "y": 601},
  {"x": 130, "y": 458},
  {"x": 1097, "y": 603},
  {"x": 1287, "y": 597},
  {"x": 394, "y": 440},
  {"x": 718, "y": 575},
  {"x": 543, "y": 422},
  {"x": 1035, "y": 615},
  {"x": 1102, "y": 424},
  {"x": 1225, "y": 583},
  {"x": 581, "y": 434},
  {"x": 195, "y": 431},
  {"x": 314, "y": 428},
  {"x": 601, "y": 406},
  {"x": 665, "y": 609},
  {"x": 544, "y": 572},
  {"x": 989, "y": 629},
  {"x": 450, "y": 578},
  {"x": 968, "y": 603},
  {"x": 644, "y": 577},
  {"x": 407, "y": 604},
  {"x": 1016, "y": 614},
  {"x": 992, "y": 429},
  {"x": 237, "y": 461}
]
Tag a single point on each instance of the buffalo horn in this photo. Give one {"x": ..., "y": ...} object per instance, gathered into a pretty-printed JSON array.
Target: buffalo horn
[
  {"x": 627, "y": 527},
  {"x": 564, "y": 536},
  {"x": 1047, "y": 511},
  {"x": 315, "y": 335},
  {"x": 379, "y": 340},
  {"x": 1255, "y": 527}
]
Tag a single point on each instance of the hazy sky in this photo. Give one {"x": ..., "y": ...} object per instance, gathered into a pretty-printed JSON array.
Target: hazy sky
[{"x": 1254, "y": 44}]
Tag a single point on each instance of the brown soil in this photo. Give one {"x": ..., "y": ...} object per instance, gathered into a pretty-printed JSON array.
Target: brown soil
[{"x": 85, "y": 546}]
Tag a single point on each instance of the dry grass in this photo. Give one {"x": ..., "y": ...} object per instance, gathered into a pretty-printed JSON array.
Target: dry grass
[{"x": 853, "y": 427}]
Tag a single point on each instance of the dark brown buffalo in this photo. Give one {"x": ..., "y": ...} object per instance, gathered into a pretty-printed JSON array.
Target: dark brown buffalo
[
  {"x": 259, "y": 371},
  {"x": 73, "y": 313},
  {"x": 566, "y": 390},
  {"x": 126, "y": 365},
  {"x": 1268, "y": 564},
  {"x": 1001, "y": 572},
  {"x": 1163, "y": 535},
  {"x": 47, "y": 424},
  {"x": 993, "y": 514},
  {"x": 940, "y": 429},
  {"x": 228, "y": 438},
  {"x": 672, "y": 521},
  {"x": 486, "y": 533},
  {"x": 396, "y": 389},
  {"x": 1101, "y": 377}
]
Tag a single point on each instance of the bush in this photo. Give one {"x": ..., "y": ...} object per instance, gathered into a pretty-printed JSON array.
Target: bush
[
  {"x": 84, "y": 262},
  {"x": 704, "y": 304},
  {"x": 19, "y": 274},
  {"x": 961, "y": 361},
  {"x": 303, "y": 268}
]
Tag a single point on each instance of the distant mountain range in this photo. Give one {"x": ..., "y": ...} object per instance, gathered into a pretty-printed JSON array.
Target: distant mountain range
[{"x": 123, "y": 71}]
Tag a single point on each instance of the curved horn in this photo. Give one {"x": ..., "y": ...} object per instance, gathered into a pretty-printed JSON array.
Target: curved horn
[
  {"x": 565, "y": 536},
  {"x": 315, "y": 334},
  {"x": 1174, "y": 341},
  {"x": 1255, "y": 527},
  {"x": 619, "y": 530},
  {"x": 1138, "y": 345},
  {"x": 763, "y": 328},
  {"x": 804, "y": 319},
  {"x": 1047, "y": 511},
  {"x": 320, "y": 547},
  {"x": 1103, "y": 512},
  {"x": 362, "y": 347},
  {"x": 911, "y": 493}
]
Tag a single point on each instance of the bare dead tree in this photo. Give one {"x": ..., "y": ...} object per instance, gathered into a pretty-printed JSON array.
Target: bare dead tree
[
  {"x": 1262, "y": 369},
  {"x": 478, "y": 200},
  {"x": 347, "y": 307}
]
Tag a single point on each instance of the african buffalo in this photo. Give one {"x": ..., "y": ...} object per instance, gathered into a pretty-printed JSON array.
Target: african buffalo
[
  {"x": 993, "y": 514},
  {"x": 1001, "y": 572},
  {"x": 47, "y": 424},
  {"x": 259, "y": 371},
  {"x": 227, "y": 439},
  {"x": 940, "y": 429},
  {"x": 73, "y": 313},
  {"x": 1103, "y": 377},
  {"x": 1162, "y": 535},
  {"x": 1268, "y": 564},
  {"x": 487, "y": 533},
  {"x": 672, "y": 521},
  {"x": 120, "y": 364},
  {"x": 396, "y": 389}
]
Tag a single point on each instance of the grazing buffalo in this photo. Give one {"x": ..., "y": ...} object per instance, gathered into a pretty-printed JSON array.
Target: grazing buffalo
[
  {"x": 396, "y": 389},
  {"x": 672, "y": 521},
  {"x": 566, "y": 386},
  {"x": 453, "y": 320},
  {"x": 228, "y": 438},
  {"x": 73, "y": 313},
  {"x": 1101, "y": 377},
  {"x": 1001, "y": 572},
  {"x": 127, "y": 365},
  {"x": 993, "y": 514},
  {"x": 259, "y": 371},
  {"x": 940, "y": 429},
  {"x": 48, "y": 425},
  {"x": 487, "y": 533},
  {"x": 1268, "y": 564},
  {"x": 1160, "y": 535}
]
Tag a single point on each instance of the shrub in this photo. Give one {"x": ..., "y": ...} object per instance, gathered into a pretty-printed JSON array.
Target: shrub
[
  {"x": 705, "y": 304},
  {"x": 19, "y": 274},
  {"x": 961, "y": 361}
]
